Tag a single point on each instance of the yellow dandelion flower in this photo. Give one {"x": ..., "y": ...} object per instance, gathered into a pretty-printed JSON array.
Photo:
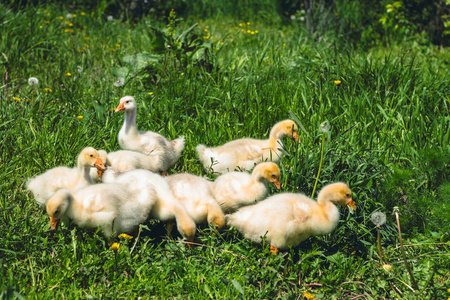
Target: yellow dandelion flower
[
  {"x": 70, "y": 25},
  {"x": 83, "y": 13},
  {"x": 240, "y": 24},
  {"x": 40, "y": 27},
  {"x": 448, "y": 290},
  {"x": 16, "y": 98},
  {"x": 242, "y": 30},
  {"x": 68, "y": 74},
  {"x": 61, "y": 18},
  {"x": 117, "y": 45},
  {"x": 248, "y": 23},
  {"x": 125, "y": 236},
  {"x": 256, "y": 31},
  {"x": 206, "y": 30},
  {"x": 308, "y": 296},
  {"x": 47, "y": 22},
  {"x": 86, "y": 38},
  {"x": 235, "y": 27},
  {"x": 252, "y": 32},
  {"x": 284, "y": 44},
  {"x": 150, "y": 93},
  {"x": 46, "y": 11},
  {"x": 113, "y": 50},
  {"x": 48, "y": 90},
  {"x": 92, "y": 13},
  {"x": 115, "y": 246},
  {"x": 74, "y": 15},
  {"x": 80, "y": 117},
  {"x": 134, "y": 24},
  {"x": 248, "y": 31},
  {"x": 387, "y": 268},
  {"x": 337, "y": 82}
]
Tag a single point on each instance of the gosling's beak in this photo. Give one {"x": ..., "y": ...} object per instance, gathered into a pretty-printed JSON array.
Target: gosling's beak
[
  {"x": 352, "y": 204},
  {"x": 120, "y": 107},
  {"x": 53, "y": 223},
  {"x": 295, "y": 136},
  {"x": 99, "y": 174},
  {"x": 277, "y": 184},
  {"x": 99, "y": 164}
]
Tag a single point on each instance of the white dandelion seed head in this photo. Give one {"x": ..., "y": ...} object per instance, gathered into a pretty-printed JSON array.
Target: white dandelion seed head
[
  {"x": 378, "y": 218},
  {"x": 33, "y": 81},
  {"x": 302, "y": 11},
  {"x": 69, "y": 16},
  {"x": 325, "y": 127},
  {"x": 120, "y": 81},
  {"x": 80, "y": 69},
  {"x": 302, "y": 19},
  {"x": 292, "y": 17},
  {"x": 110, "y": 18}
]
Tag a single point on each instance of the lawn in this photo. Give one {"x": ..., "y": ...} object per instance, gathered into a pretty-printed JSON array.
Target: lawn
[{"x": 386, "y": 111}]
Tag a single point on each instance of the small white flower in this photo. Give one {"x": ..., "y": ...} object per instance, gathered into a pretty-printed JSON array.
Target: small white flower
[
  {"x": 80, "y": 69},
  {"x": 69, "y": 16},
  {"x": 33, "y": 81},
  {"x": 324, "y": 127},
  {"x": 302, "y": 11},
  {"x": 110, "y": 18},
  {"x": 120, "y": 81},
  {"x": 302, "y": 19},
  {"x": 292, "y": 17},
  {"x": 378, "y": 218}
]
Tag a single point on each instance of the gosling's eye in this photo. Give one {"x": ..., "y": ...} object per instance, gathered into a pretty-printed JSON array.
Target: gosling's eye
[
  {"x": 347, "y": 195},
  {"x": 91, "y": 155},
  {"x": 56, "y": 212},
  {"x": 273, "y": 176}
]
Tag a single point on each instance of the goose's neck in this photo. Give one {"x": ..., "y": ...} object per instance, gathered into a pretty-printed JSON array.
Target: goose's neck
[
  {"x": 129, "y": 124},
  {"x": 275, "y": 139},
  {"x": 86, "y": 174},
  {"x": 328, "y": 214}
]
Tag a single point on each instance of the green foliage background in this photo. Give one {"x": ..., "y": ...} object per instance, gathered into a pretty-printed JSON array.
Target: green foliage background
[{"x": 242, "y": 68}]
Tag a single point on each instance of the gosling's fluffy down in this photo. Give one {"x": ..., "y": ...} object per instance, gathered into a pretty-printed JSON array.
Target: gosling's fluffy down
[
  {"x": 245, "y": 153},
  {"x": 147, "y": 142},
  {"x": 165, "y": 207},
  {"x": 45, "y": 185},
  {"x": 112, "y": 207},
  {"x": 287, "y": 219},
  {"x": 194, "y": 193},
  {"x": 236, "y": 189}
]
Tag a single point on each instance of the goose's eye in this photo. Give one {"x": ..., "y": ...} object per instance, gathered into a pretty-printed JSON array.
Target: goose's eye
[
  {"x": 91, "y": 155},
  {"x": 273, "y": 176},
  {"x": 127, "y": 102},
  {"x": 347, "y": 195},
  {"x": 56, "y": 212}
]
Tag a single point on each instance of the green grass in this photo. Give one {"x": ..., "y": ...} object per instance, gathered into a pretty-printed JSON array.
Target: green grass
[{"x": 389, "y": 140}]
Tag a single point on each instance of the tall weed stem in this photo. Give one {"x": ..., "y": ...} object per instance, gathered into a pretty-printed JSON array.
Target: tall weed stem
[
  {"x": 320, "y": 166},
  {"x": 413, "y": 281}
]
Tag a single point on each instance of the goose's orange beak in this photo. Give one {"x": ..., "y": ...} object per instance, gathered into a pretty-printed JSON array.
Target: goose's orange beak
[
  {"x": 120, "y": 107},
  {"x": 277, "y": 184},
  {"x": 53, "y": 223},
  {"x": 352, "y": 204},
  {"x": 99, "y": 164},
  {"x": 295, "y": 136},
  {"x": 99, "y": 174}
]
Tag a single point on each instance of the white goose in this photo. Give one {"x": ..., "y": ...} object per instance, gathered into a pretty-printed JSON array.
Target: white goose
[
  {"x": 112, "y": 207},
  {"x": 287, "y": 219},
  {"x": 194, "y": 193},
  {"x": 147, "y": 142},
  {"x": 45, "y": 185},
  {"x": 236, "y": 189},
  {"x": 246, "y": 152},
  {"x": 165, "y": 207}
]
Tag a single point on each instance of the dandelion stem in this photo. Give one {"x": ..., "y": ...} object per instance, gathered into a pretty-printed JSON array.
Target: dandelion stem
[
  {"x": 320, "y": 166},
  {"x": 380, "y": 250},
  {"x": 413, "y": 281}
]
